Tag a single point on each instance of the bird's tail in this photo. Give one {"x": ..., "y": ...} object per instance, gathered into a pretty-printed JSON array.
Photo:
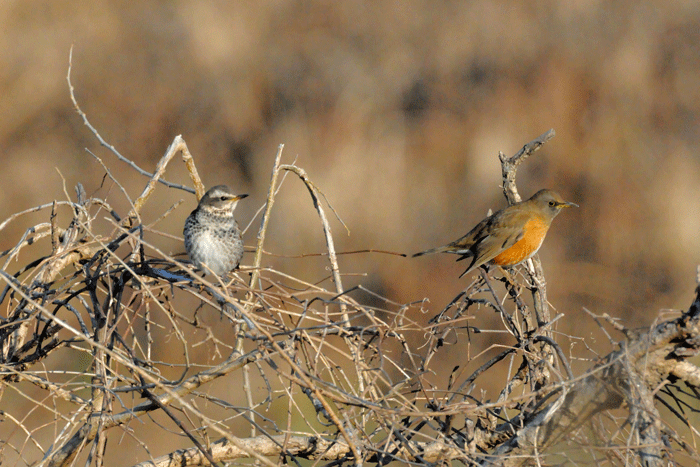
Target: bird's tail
[
  {"x": 445, "y": 249},
  {"x": 431, "y": 251}
]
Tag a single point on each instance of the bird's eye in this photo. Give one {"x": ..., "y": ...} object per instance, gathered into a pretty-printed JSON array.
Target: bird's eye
[{"x": 552, "y": 203}]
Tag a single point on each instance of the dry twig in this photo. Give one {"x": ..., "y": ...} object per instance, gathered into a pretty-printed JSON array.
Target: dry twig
[{"x": 326, "y": 378}]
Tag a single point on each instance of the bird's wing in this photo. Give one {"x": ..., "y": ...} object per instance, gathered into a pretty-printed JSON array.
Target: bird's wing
[
  {"x": 500, "y": 232},
  {"x": 462, "y": 246}
]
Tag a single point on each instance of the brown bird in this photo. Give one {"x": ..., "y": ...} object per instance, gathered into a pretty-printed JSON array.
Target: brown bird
[
  {"x": 212, "y": 237},
  {"x": 510, "y": 236}
]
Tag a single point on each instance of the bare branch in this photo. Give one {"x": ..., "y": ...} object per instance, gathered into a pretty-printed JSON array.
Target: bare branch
[
  {"x": 102, "y": 141},
  {"x": 360, "y": 383}
]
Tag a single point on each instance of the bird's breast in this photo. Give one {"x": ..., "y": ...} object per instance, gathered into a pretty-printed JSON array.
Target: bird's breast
[{"x": 534, "y": 232}]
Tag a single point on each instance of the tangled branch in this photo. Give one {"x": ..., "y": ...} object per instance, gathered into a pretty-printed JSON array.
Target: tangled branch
[{"x": 278, "y": 369}]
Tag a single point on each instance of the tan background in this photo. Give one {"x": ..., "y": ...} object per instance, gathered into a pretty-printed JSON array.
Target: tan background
[{"x": 397, "y": 111}]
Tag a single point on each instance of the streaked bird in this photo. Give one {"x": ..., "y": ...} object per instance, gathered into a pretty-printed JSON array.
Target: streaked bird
[{"x": 212, "y": 237}]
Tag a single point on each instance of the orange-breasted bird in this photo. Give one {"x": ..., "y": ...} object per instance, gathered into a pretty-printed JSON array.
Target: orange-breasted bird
[{"x": 510, "y": 236}]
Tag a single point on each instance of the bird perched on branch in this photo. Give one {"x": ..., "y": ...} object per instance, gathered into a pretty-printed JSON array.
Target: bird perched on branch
[
  {"x": 510, "y": 236},
  {"x": 212, "y": 237}
]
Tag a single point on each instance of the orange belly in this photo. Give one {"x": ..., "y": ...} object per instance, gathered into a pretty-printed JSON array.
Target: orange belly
[{"x": 523, "y": 249}]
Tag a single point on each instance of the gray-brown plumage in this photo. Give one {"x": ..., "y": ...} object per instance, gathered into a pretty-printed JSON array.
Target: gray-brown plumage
[{"x": 212, "y": 237}]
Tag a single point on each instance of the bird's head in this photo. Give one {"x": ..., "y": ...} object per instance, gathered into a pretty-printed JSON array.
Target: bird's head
[
  {"x": 220, "y": 198},
  {"x": 550, "y": 202}
]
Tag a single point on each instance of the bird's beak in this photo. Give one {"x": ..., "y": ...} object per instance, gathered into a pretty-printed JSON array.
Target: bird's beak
[
  {"x": 237, "y": 198},
  {"x": 567, "y": 204}
]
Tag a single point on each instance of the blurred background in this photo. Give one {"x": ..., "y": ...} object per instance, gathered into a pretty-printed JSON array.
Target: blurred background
[{"x": 397, "y": 111}]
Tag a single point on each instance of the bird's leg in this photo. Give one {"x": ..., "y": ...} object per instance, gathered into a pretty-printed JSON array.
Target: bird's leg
[
  {"x": 222, "y": 280},
  {"x": 507, "y": 277}
]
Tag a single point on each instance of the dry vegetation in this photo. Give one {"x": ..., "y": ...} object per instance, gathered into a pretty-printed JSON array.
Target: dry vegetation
[
  {"x": 395, "y": 111},
  {"x": 269, "y": 367}
]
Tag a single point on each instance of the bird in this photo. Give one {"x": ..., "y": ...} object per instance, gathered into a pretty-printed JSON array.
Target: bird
[
  {"x": 510, "y": 236},
  {"x": 212, "y": 237}
]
